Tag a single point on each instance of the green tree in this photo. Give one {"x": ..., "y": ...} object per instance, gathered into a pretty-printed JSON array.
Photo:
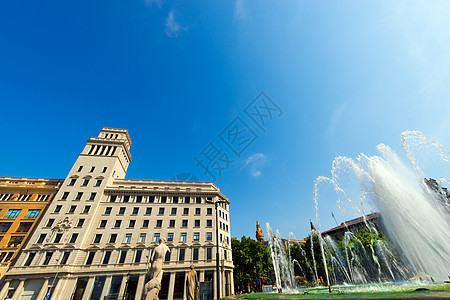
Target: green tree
[{"x": 251, "y": 260}]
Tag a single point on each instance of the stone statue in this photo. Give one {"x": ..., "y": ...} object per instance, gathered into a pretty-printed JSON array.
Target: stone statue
[
  {"x": 152, "y": 287},
  {"x": 192, "y": 285}
]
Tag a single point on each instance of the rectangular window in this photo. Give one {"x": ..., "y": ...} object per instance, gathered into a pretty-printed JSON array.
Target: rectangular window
[
  {"x": 196, "y": 236},
  {"x": 181, "y": 257},
  {"x": 137, "y": 258},
  {"x": 197, "y": 223},
  {"x": 163, "y": 199},
  {"x": 92, "y": 169},
  {"x": 170, "y": 237},
  {"x": 92, "y": 196},
  {"x": 86, "y": 209},
  {"x": 85, "y": 182},
  {"x": 209, "y": 253},
  {"x": 132, "y": 223},
  {"x": 72, "y": 181},
  {"x": 142, "y": 238},
  {"x": 30, "y": 258},
  {"x": 187, "y": 199},
  {"x": 198, "y": 200},
  {"x": 161, "y": 211},
  {"x": 123, "y": 256},
  {"x": 126, "y": 199},
  {"x": 103, "y": 223},
  {"x": 209, "y": 211},
  {"x": 4, "y": 227},
  {"x": 106, "y": 258},
  {"x": 148, "y": 211},
  {"x": 145, "y": 224},
  {"x": 135, "y": 210},
  {"x": 23, "y": 227},
  {"x": 58, "y": 238},
  {"x": 72, "y": 209},
  {"x": 184, "y": 223},
  {"x": 12, "y": 214},
  {"x": 183, "y": 237},
  {"x": 104, "y": 169},
  {"x": 172, "y": 223},
  {"x": 50, "y": 222},
  {"x": 113, "y": 238},
  {"x": 57, "y": 208},
  {"x": 208, "y": 223},
  {"x": 80, "y": 223},
  {"x": 90, "y": 257},
  {"x": 65, "y": 196},
  {"x": 113, "y": 198},
  {"x": 174, "y": 211},
  {"x": 209, "y": 236},
  {"x": 15, "y": 241},
  {"x": 158, "y": 223},
  {"x": 151, "y": 199},
  {"x": 65, "y": 258},
  {"x": 175, "y": 200},
  {"x": 48, "y": 257},
  {"x": 156, "y": 237},
  {"x": 118, "y": 223},
  {"x": 138, "y": 199},
  {"x": 128, "y": 238},
  {"x": 167, "y": 258},
  {"x": 32, "y": 214},
  {"x": 195, "y": 254},
  {"x": 80, "y": 168},
  {"x": 197, "y": 211},
  {"x": 41, "y": 238},
  {"x": 73, "y": 238},
  {"x": 108, "y": 210},
  {"x": 185, "y": 211},
  {"x": 98, "y": 183},
  {"x": 97, "y": 238},
  {"x": 121, "y": 210}
]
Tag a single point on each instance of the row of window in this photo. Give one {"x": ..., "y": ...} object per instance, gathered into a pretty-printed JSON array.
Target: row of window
[
  {"x": 121, "y": 258},
  {"x": 23, "y": 227},
  {"x": 92, "y": 169},
  {"x": 159, "y": 223},
  {"x": 72, "y": 209},
  {"x": 156, "y": 199},
  {"x": 127, "y": 238},
  {"x": 23, "y": 197},
  {"x": 14, "y": 241},
  {"x": 102, "y": 150},
  {"x": 85, "y": 182},
  {"x": 14, "y": 213},
  {"x": 78, "y": 196},
  {"x": 161, "y": 211}
]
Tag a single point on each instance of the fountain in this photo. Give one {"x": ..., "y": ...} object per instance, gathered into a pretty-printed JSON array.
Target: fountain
[{"x": 415, "y": 213}]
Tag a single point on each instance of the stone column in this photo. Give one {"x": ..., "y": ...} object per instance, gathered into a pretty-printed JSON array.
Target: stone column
[
  {"x": 18, "y": 293},
  {"x": 44, "y": 289},
  {"x": 184, "y": 285},
  {"x": 171, "y": 285},
  {"x": 201, "y": 276},
  {"x": 232, "y": 282},
  {"x": 214, "y": 292},
  {"x": 106, "y": 287},
  {"x": 89, "y": 288},
  {"x": 5, "y": 288},
  {"x": 140, "y": 287},
  {"x": 124, "y": 284}
]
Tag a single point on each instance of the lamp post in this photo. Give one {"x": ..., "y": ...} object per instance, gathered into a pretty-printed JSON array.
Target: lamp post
[{"x": 216, "y": 204}]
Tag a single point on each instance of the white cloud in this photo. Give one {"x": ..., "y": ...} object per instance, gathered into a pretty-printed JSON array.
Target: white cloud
[
  {"x": 173, "y": 28},
  {"x": 255, "y": 162},
  {"x": 239, "y": 9},
  {"x": 156, "y": 2}
]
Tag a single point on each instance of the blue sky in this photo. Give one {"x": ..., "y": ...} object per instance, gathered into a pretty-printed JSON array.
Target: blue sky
[{"x": 345, "y": 75}]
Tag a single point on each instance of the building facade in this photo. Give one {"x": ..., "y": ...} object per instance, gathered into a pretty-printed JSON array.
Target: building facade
[
  {"x": 97, "y": 235},
  {"x": 23, "y": 202}
]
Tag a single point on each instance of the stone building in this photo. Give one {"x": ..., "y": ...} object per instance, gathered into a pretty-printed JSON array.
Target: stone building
[
  {"x": 97, "y": 235},
  {"x": 23, "y": 202}
]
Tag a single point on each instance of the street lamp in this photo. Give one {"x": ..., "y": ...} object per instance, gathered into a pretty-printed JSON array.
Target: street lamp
[{"x": 216, "y": 204}]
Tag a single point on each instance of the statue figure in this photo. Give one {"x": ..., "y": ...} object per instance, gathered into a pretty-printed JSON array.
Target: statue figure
[
  {"x": 192, "y": 285},
  {"x": 153, "y": 287}
]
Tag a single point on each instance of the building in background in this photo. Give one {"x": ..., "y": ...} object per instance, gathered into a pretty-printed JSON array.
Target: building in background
[
  {"x": 23, "y": 202},
  {"x": 97, "y": 235}
]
